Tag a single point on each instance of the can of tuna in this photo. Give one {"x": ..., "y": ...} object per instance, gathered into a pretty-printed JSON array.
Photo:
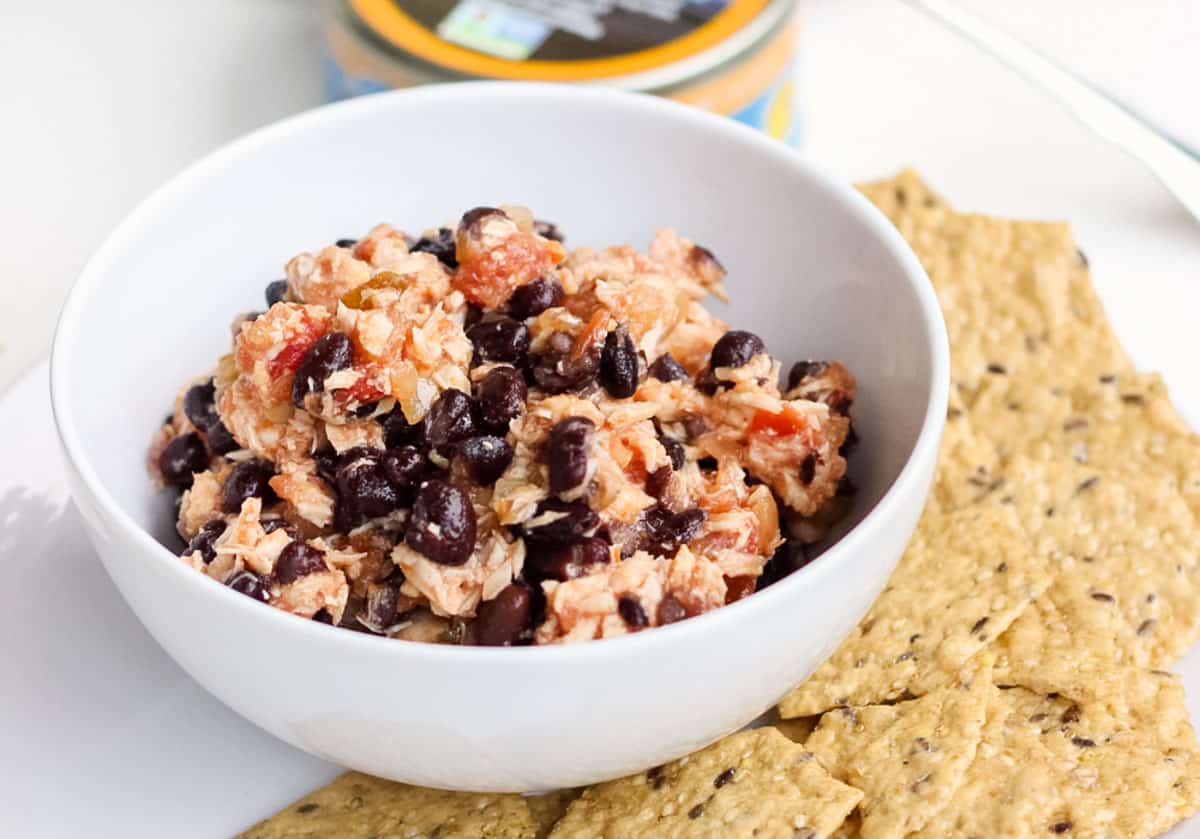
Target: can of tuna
[{"x": 735, "y": 57}]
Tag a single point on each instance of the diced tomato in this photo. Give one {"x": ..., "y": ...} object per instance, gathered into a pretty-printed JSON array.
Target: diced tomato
[
  {"x": 288, "y": 358},
  {"x": 784, "y": 424},
  {"x": 490, "y": 278},
  {"x": 365, "y": 391},
  {"x": 738, "y": 587}
]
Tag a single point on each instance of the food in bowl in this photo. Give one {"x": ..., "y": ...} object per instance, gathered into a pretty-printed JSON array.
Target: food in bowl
[{"x": 476, "y": 436}]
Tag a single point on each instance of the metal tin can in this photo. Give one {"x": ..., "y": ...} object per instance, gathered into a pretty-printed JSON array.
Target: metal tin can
[{"x": 735, "y": 57}]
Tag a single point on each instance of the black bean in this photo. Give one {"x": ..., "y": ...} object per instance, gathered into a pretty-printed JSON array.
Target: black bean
[
  {"x": 363, "y": 487},
  {"x": 631, "y": 611},
  {"x": 298, "y": 559},
  {"x": 397, "y": 431},
  {"x": 442, "y": 525},
  {"x": 249, "y": 584},
  {"x": 505, "y": 619},
  {"x": 850, "y": 443},
  {"x": 619, "y": 364},
  {"x": 781, "y": 563},
  {"x": 670, "y": 610},
  {"x": 802, "y": 370},
  {"x": 181, "y": 458},
  {"x": 675, "y": 451},
  {"x": 275, "y": 292},
  {"x": 327, "y": 355},
  {"x": 735, "y": 349},
  {"x": 484, "y": 458},
  {"x": 535, "y": 297},
  {"x": 569, "y": 562},
  {"x": 248, "y": 480},
  {"x": 271, "y": 525},
  {"x": 449, "y": 420},
  {"x": 405, "y": 466},
  {"x": 501, "y": 396},
  {"x": 579, "y": 521},
  {"x": 220, "y": 441},
  {"x": 659, "y": 481},
  {"x": 380, "y": 611},
  {"x": 663, "y": 531},
  {"x": 693, "y": 424},
  {"x": 365, "y": 410},
  {"x": 566, "y": 453},
  {"x": 202, "y": 542},
  {"x": 559, "y": 372},
  {"x": 346, "y": 243},
  {"x": 326, "y": 460},
  {"x": 500, "y": 338},
  {"x": 441, "y": 245},
  {"x": 666, "y": 369},
  {"x": 200, "y": 406},
  {"x": 472, "y": 218},
  {"x": 808, "y": 468},
  {"x": 548, "y": 230}
]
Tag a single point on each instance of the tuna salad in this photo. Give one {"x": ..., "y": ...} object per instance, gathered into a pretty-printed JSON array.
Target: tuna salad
[{"x": 476, "y": 436}]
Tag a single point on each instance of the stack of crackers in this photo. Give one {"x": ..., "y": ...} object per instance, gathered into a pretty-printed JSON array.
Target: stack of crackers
[{"x": 1009, "y": 681}]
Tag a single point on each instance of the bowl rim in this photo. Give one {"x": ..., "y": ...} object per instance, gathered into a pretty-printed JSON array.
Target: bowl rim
[{"x": 907, "y": 481}]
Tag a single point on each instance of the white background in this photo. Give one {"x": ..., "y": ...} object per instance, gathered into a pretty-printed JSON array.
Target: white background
[{"x": 100, "y": 733}]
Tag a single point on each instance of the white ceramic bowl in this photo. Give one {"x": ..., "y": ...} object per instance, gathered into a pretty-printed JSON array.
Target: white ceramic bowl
[{"x": 813, "y": 269}]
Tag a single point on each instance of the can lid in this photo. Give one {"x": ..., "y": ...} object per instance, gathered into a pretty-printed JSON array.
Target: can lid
[{"x": 555, "y": 40}]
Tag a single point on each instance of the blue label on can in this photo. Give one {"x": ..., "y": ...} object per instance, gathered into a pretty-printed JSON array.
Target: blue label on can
[{"x": 775, "y": 113}]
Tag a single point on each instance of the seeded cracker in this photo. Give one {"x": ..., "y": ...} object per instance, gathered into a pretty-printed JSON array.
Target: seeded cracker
[
  {"x": 964, "y": 578},
  {"x": 1048, "y": 766},
  {"x": 753, "y": 784},
  {"x": 357, "y": 806},
  {"x": 547, "y": 809},
  {"x": 1120, "y": 422},
  {"x": 908, "y": 758},
  {"x": 798, "y": 729},
  {"x": 1015, "y": 294},
  {"x": 1127, "y": 592}
]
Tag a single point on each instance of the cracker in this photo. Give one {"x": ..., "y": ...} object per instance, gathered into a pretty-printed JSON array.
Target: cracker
[
  {"x": 908, "y": 759},
  {"x": 964, "y": 578},
  {"x": 1015, "y": 294},
  {"x": 754, "y": 783},
  {"x": 548, "y": 808},
  {"x": 1123, "y": 422},
  {"x": 798, "y": 729},
  {"x": 1126, "y": 550},
  {"x": 357, "y": 806},
  {"x": 1048, "y": 766}
]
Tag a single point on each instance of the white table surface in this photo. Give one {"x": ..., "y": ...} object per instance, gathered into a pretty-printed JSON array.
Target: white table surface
[{"x": 100, "y": 734}]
